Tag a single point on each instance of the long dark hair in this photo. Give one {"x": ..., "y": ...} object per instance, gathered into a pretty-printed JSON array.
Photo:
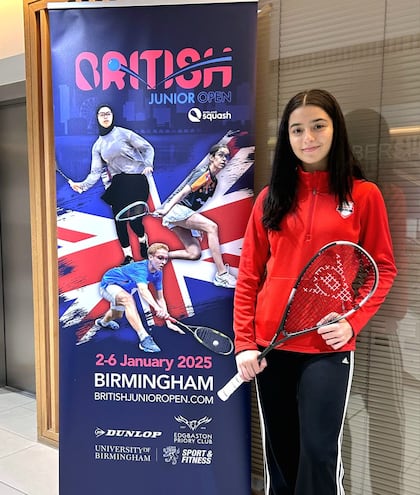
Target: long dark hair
[
  {"x": 216, "y": 147},
  {"x": 343, "y": 167}
]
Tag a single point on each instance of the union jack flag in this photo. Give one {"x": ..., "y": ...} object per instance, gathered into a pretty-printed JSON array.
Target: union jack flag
[{"x": 88, "y": 246}]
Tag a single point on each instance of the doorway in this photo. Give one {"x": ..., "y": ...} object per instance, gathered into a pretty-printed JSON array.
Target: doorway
[{"x": 17, "y": 355}]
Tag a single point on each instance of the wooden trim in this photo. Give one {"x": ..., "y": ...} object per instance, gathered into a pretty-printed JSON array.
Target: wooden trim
[{"x": 43, "y": 215}]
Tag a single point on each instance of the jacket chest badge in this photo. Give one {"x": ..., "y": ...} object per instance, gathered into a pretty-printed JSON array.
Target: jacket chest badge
[{"x": 346, "y": 209}]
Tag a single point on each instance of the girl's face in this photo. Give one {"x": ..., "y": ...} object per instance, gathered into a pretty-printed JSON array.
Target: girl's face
[
  {"x": 105, "y": 117},
  {"x": 219, "y": 160},
  {"x": 310, "y": 135}
]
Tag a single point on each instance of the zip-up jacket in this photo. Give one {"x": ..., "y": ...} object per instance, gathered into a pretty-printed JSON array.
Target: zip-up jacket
[{"x": 272, "y": 260}]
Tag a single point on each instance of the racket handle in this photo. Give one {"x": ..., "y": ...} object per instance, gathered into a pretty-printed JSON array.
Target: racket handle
[{"x": 233, "y": 384}]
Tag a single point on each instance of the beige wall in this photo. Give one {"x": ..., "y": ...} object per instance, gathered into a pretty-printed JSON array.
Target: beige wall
[
  {"x": 11, "y": 28},
  {"x": 12, "y": 45}
]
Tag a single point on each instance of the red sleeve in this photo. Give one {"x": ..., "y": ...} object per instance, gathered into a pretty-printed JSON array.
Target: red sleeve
[
  {"x": 254, "y": 256},
  {"x": 375, "y": 237}
]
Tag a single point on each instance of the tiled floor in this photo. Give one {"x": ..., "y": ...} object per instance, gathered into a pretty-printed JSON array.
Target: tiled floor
[{"x": 27, "y": 467}]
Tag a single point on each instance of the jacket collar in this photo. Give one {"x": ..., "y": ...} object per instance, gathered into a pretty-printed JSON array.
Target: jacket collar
[{"x": 318, "y": 180}]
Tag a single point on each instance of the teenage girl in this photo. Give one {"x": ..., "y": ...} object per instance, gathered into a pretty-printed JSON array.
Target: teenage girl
[{"x": 317, "y": 194}]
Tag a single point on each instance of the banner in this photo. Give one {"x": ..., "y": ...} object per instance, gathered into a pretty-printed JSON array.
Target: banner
[{"x": 153, "y": 105}]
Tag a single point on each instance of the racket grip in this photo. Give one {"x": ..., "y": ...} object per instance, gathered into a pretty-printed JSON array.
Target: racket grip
[{"x": 233, "y": 384}]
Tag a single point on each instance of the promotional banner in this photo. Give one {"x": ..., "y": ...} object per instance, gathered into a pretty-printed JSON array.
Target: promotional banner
[{"x": 154, "y": 148}]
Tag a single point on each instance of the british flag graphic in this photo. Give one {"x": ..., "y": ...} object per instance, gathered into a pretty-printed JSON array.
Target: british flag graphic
[
  {"x": 183, "y": 87},
  {"x": 88, "y": 245}
]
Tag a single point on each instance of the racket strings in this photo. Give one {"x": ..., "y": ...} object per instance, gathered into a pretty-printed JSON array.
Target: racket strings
[
  {"x": 329, "y": 281},
  {"x": 214, "y": 340},
  {"x": 133, "y": 211},
  {"x": 364, "y": 276},
  {"x": 335, "y": 282}
]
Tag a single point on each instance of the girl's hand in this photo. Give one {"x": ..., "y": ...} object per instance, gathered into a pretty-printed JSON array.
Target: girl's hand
[
  {"x": 336, "y": 335},
  {"x": 248, "y": 364}
]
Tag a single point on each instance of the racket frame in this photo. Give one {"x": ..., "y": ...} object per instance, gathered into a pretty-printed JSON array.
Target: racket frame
[
  {"x": 193, "y": 328},
  {"x": 236, "y": 381},
  {"x": 57, "y": 169},
  {"x": 288, "y": 335},
  {"x": 146, "y": 211}
]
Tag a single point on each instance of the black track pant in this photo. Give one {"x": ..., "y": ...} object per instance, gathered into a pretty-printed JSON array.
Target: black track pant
[{"x": 303, "y": 400}]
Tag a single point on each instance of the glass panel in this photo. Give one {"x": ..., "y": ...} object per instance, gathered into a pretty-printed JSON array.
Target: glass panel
[{"x": 368, "y": 55}]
